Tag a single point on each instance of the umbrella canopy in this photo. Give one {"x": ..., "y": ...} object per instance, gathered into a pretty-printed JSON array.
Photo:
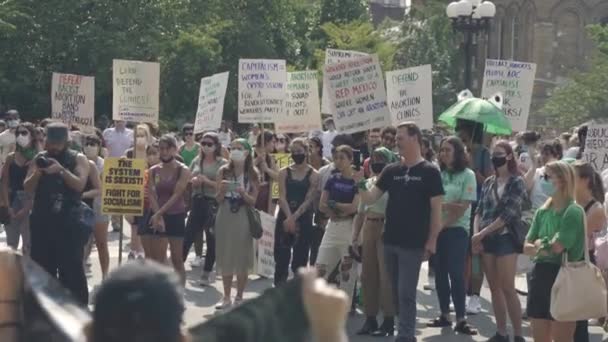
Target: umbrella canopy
[{"x": 481, "y": 111}]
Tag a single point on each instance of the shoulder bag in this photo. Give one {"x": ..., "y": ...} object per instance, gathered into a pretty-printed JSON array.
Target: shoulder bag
[{"x": 579, "y": 292}]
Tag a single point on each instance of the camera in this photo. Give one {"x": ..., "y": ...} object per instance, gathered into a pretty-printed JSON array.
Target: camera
[{"x": 42, "y": 162}]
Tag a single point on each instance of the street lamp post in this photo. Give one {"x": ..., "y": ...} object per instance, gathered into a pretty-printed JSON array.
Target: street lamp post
[{"x": 470, "y": 17}]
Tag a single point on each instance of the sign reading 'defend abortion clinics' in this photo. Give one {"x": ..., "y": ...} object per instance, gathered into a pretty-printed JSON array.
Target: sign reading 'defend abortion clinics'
[
  {"x": 262, "y": 89},
  {"x": 333, "y": 56},
  {"x": 302, "y": 106},
  {"x": 357, "y": 94},
  {"x": 73, "y": 100},
  {"x": 410, "y": 95},
  {"x": 211, "y": 102},
  {"x": 135, "y": 91},
  {"x": 515, "y": 80},
  {"x": 596, "y": 147}
]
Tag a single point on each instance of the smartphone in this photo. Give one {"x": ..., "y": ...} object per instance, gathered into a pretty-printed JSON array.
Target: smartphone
[{"x": 357, "y": 160}]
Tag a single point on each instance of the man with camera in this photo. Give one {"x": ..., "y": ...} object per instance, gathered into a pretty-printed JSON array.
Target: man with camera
[{"x": 56, "y": 180}]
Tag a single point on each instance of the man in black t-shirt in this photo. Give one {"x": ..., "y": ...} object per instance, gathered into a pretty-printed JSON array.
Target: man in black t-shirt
[{"x": 413, "y": 221}]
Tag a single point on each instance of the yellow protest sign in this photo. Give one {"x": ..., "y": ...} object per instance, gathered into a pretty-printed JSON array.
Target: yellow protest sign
[
  {"x": 282, "y": 160},
  {"x": 123, "y": 186}
]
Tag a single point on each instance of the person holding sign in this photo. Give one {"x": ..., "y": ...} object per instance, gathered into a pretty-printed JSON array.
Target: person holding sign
[
  {"x": 297, "y": 185},
  {"x": 267, "y": 166},
  {"x": 57, "y": 179},
  {"x": 166, "y": 185},
  {"x": 239, "y": 187}
]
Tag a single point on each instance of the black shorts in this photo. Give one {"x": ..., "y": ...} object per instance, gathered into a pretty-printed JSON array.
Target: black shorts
[
  {"x": 499, "y": 245},
  {"x": 175, "y": 226},
  {"x": 541, "y": 282}
]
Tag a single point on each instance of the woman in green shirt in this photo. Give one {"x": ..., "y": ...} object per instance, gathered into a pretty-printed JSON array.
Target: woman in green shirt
[
  {"x": 460, "y": 188},
  {"x": 558, "y": 227}
]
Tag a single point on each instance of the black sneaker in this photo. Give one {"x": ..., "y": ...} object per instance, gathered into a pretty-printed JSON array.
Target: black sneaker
[
  {"x": 499, "y": 338},
  {"x": 519, "y": 339},
  {"x": 439, "y": 322},
  {"x": 465, "y": 328}
]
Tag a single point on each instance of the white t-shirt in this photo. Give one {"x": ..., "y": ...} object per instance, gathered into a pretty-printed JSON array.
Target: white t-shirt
[
  {"x": 225, "y": 138},
  {"x": 7, "y": 140},
  {"x": 326, "y": 138},
  {"x": 118, "y": 142}
]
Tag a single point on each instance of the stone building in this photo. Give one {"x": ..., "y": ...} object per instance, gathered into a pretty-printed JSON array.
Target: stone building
[{"x": 550, "y": 33}]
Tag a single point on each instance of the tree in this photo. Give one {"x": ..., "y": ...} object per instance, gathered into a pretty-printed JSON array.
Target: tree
[
  {"x": 584, "y": 97},
  {"x": 427, "y": 37},
  {"x": 343, "y": 11}
]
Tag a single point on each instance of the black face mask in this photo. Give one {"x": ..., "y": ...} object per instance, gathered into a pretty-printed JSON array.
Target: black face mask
[
  {"x": 378, "y": 167},
  {"x": 499, "y": 161},
  {"x": 298, "y": 158},
  {"x": 168, "y": 160}
]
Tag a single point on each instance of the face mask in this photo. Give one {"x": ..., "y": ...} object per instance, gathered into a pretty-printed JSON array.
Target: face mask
[
  {"x": 298, "y": 158},
  {"x": 23, "y": 140},
  {"x": 167, "y": 160},
  {"x": 141, "y": 141},
  {"x": 237, "y": 155},
  {"x": 13, "y": 123},
  {"x": 91, "y": 151},
  {"x": 499, "y": 161},
  {"x": 547, "y": 188},
  {"x": 378, "y": 167},
  {"x": 208, "y": 150}
]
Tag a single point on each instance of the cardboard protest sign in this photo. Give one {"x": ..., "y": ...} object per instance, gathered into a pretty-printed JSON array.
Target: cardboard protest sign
[
  {"x": 262, "y": 90},
  {"x": 135, "y": 91},
  {"x": 356, "y": 92},
  {"x": 596, "y": 147},
  {"x": 282, "y": 160},
  {"x": 302, "y": 112},
  {"x": 122, "y": 191},
  {"x": 265, "y": 250},
  {"x": 211, "y": 102},
  {"x": 73, "y": 100},
  {"x": 409, "y": 95},
  {"x": 515, "y": 80},
  {"x": 333, "y": 56}
]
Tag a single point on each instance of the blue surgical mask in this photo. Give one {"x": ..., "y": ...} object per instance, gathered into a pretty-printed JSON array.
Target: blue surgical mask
[{"x": 547, "y": 187}]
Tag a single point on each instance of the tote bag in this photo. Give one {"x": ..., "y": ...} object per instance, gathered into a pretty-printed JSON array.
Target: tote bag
[{"x": 579, "y": 292}]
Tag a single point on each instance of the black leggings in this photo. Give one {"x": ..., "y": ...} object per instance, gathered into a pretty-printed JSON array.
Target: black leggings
[
  {"x": 284, "y": 243},
  {"x": 201, "y": 220}
]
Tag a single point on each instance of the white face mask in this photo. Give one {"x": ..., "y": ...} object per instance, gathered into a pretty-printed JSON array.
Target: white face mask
[
  {"x": 208, "y": 150},
  {"x": 13, "y": 123},
  {"x": 91, "y": 151},
  {"x": 23, "y": 140},
  {"x": 141, "y": 141},
  {"x": 237, "y": 155}
]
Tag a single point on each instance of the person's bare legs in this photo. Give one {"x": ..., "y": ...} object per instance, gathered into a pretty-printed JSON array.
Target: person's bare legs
[
  {"x": 508, "y": 266},
  {"x": 101, "y": 241},
  {"x": 227, "y": 281},
  {"x": 541, "y": 330},
  {"x": 563, "y": 331},
  {"x": 136, "y": 245},
  {"x": 498, "y": 300},
  {"x": 176, "y": 246},
  {"x": 241, "y": 283},
  {"x": 159, "y": 249}
]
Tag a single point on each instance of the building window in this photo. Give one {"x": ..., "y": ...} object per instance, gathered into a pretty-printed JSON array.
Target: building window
[{"x": 515, "y": 37}]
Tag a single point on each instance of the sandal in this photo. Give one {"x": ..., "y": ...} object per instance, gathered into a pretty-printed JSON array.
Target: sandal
[
  {"x": 465, "y": 328},
  {"x": 440, "y": 322}
]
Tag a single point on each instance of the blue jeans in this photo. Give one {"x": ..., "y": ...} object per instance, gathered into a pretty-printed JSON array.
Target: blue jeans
[
  {"x": 449, "y": 263},
  {"x": 403, "y": 268}
]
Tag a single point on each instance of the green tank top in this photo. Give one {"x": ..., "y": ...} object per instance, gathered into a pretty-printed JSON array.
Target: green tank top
[{"x": 189, "y": 155}]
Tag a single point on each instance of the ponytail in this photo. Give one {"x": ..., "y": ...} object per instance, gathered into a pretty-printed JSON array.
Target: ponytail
[{"x": 597, "y": 188}]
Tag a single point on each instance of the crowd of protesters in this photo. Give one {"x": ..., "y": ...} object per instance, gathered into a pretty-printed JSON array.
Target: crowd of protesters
[{"x": 366, "y": 210}]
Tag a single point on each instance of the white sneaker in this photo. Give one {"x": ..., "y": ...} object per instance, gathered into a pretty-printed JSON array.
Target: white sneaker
[
  {"x": 224, "y": 305},
  {"x": 473, "y": 305},
  {"x": 197, "y": 262}
]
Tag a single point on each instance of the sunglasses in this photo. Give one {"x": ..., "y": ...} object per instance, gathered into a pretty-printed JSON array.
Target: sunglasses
[
  {"x": 208, "y": 144},
  {"x": 91, "y": 143},
  {"x": 188, "y": 134},
  {"x": 24, "y": 133},
  {"x": 546, "y": 177}
]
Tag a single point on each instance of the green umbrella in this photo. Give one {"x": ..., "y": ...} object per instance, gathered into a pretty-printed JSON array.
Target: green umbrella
[{"x": 478, "y": 110}]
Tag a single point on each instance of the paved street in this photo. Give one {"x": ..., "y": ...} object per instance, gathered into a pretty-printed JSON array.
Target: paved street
[{"x": 201, "y": 303}]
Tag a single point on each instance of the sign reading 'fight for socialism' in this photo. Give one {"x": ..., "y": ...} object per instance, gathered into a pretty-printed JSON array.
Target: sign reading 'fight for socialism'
[
  {"x": 596, "y": 147},
  {"x": 135, "y": 91},
  {"x": 211, "y": 102},
  {"x": 357, "y": 94},
  {"x": 515, "y": 80},
  {"x": 73, "y": 100},
  {"x": 262, "y": 92},
  {"x": 122, "y": 191},
  {"x": 410, "y": 95}
]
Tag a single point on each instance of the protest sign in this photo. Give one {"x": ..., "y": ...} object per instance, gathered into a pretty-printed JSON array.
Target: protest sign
[
  {"x": 73, "y": 100},
  {"x": 409, "y": 95},
  {"x": 596, "y": 147},
  {"x": 357, "y": 94},
  {"x": 265, "y": 250},
  {"x": 515, "y": 81},
  {"x": 262, "y": 90},
  {"x": 211, "y": 102},
  {"x": 302, "y": 106},
  {"x": 282, "y": 160},
  {"x": 135, "y": 91},
  {"x": 333, "y": 56},
  {"x": 122, "y": 191}
]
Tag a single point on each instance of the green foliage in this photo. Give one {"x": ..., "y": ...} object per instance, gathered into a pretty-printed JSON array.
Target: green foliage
[
  {"x": 584, "y": 97},
  {"x": 427, "y": 37},
  {"x": 343, "y": 11}
]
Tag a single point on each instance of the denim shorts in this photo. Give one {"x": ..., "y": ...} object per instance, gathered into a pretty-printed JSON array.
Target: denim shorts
[{"x": 499, "y": 245}]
